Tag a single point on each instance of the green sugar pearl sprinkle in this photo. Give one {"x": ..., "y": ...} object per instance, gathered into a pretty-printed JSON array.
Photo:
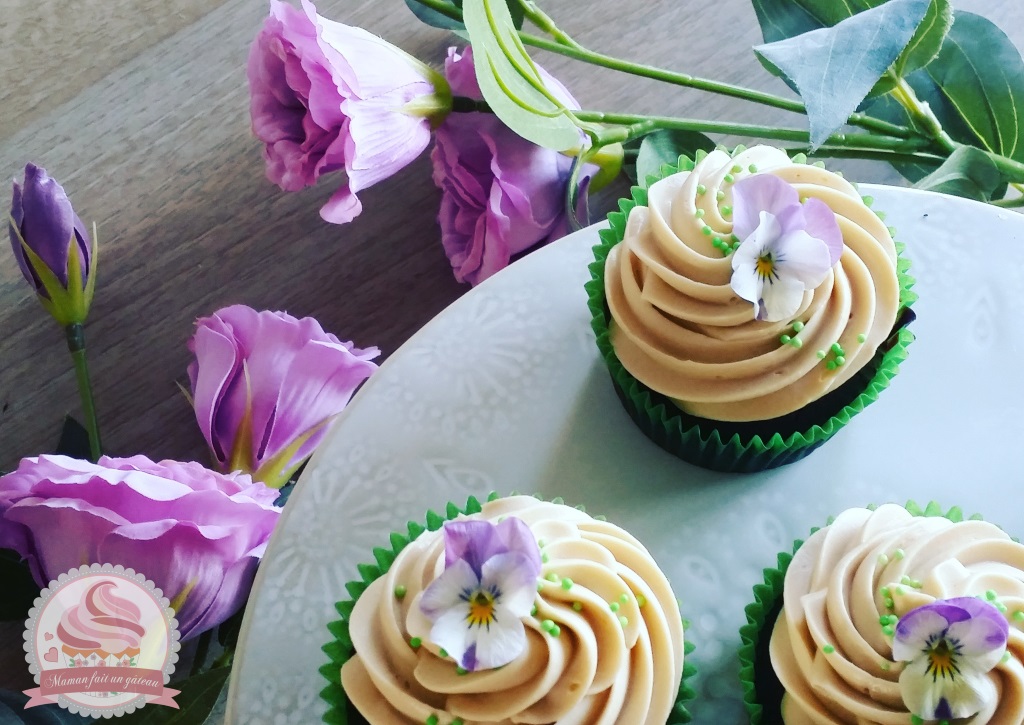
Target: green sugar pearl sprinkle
[
  {"x": 533, "y": 611},
  {"x": 828, "y": 649},
  {"x": 552, "y": 577},
  {"x": 883, "y": 559},
  {"x": 888, "y": 619},
  {"x": 443, "y": 652},
  {"x": 415, "y": 642},
  {"x": 1001, "y": 607},
  {"x": 432, "y": 720},
  {"x": 991, "y": 595},
  {"x": 729, "y": 178},
  {"x": 567, "y": 583},
  {"x": 821, "y": 354},
  {"x": 915, "y": 720},
  {"x": 624, "y": 598},
  {"x": 1006, "y": 657},
  {"x": 614, "y": 606},
  {"x": 888, "y": 603},
  {"x": 889, "y": 630},
  {"x": 460, "y": 671},
  {"x": 798, "y": 326},
  {"x": 884, "y": 666},
  {"x": 701, "y": 189},
  {"x": 641, "y": 600},
  {"x": 551, "y": 628},
  {"x": 400, "y": 591},
  {"x": 862, "y": 338},
  {"x": 1018, "y": 616},
  {"x": 719, "y": 195},
  {"x": 706, "y": 231},
  {"x": 736, "y": 168},
  {"x": 699, "y": 213},
  {"x": 837, "y": 349},
  {"x": 577, "y": 607},
  {"x": 544, "y": 558},
  {"x": 624, "y": 621},
  {"x": 752, "y": 168},
  {"x": 726, "y": 210}
]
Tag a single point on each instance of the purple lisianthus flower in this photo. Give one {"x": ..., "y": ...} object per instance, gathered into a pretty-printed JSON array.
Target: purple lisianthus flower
[
  {"x": 488, "y": 585},
  {"x": 265, "y": 385},
  {"x": 949, "y": 645},
  {"x": 52, "y": 246},
  {"x": 196, "y": 533},
  {"x": 328, "y": 97},
  {"x": 501, "y": 194},
  {"x": 785, "y": 247}
]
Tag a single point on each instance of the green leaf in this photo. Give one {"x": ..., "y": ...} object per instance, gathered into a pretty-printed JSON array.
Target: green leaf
[
  {"x": 781, "y": 19},
  {"x": 981, "y": 74},
  {"x": 20, "y": 589},
  {"x": 197, "y": 699},
  {"x": 74, "y": 440},
  {"x": 510, "y": 81},
  {"x": 665, "y": 147},
  {"x": 967, "y": 172},
  {"x": 433, "y": 17},
  {"x": 834, "y": 68}
]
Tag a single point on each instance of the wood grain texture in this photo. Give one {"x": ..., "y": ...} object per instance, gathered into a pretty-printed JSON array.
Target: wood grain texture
[{"x": 140, "y": 109}]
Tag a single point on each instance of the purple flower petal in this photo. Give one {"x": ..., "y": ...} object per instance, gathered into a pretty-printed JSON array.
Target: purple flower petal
[
  {"x": 755, "y": 194},
  {"x": 821, "y": 223}
]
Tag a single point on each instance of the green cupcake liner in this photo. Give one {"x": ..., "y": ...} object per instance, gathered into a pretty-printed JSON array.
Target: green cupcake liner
[
  {"x": 762, "y": 691},
  {"x": 697, "y": 440},
  {"x": 340, "y": 649}
]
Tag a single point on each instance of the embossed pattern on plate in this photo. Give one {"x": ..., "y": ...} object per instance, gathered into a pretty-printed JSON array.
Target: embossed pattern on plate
[{"x": 504, "y": 391}]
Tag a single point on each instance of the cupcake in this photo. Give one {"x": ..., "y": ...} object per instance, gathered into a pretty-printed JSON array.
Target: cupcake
[
  {"x": 892, "y": 615},
  {"x": 518, "y": 610},
  {"x": 748, "y": 306}
]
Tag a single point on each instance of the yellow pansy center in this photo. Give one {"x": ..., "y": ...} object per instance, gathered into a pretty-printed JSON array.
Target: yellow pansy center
[
  {"x": 766, "y": 266},
  {"x": 942, "y": 661},
  {"x": 481, "y": 609}
]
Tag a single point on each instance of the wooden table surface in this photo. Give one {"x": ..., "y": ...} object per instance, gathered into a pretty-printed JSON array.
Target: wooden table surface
[{"x": 140, "y": 109}]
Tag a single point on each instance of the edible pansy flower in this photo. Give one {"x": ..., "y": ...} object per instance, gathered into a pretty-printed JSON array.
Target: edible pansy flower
[
  {"x": 488, "y": 586},
  {"x": 949, "y": 644},
  {"x": 785, "y": 247}
]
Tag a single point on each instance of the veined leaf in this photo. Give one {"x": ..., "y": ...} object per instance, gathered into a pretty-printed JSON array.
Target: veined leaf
[
  {"x": 199, "y": 694},
  {"x": 981, "y": 74},
  {"x": 968, "y": 172},
  {"x": 665, "y": 147},
  {"x": 834, "y": 68},
  {"x": 782, "y": 19},
  {"x": 511, "y": 83}
]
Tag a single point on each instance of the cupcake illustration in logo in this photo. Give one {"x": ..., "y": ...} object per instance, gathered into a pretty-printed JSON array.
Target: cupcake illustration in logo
[
  {"x": 102, "y": 630},
  {"x": 101, "y": 641}
]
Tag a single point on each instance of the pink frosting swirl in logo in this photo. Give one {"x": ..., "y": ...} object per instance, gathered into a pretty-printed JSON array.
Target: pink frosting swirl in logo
[{"x": 102, "y": 622}]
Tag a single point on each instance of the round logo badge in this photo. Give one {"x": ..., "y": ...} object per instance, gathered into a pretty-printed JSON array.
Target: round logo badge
[{"x": 101, "y": 641}]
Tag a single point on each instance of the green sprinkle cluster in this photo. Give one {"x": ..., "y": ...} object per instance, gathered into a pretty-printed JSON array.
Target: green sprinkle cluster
[
  {"x": 550, "y": 627},
  {"x": 910, "y": 582},
  {"x": 838, "y": 356},
  {"x": 793, "y": 340},
  {"x": 727, "y": 246}
]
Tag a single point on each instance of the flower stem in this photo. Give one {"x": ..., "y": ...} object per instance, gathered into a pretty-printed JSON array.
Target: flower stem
[
  {"x": 921, "y": 114},
  {"x": 202, "y": 649},
  {"x": 544, "y": 22},
  {"x": 850, "y": 141},
  {"x": 75, "y": 334},
  {"x": 683, "y": 79}
]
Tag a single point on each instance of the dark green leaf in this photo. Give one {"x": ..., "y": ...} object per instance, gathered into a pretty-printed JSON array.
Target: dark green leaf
[
  {"x": 577, "y": 201},
  {"x": 227, "y": 631},
  {"x": 665, "y": 147},
  {"x": 515, "y": 9},
  {"x": 198, "y": 696},
  {"x": 510, "y": 81},
  {"x": 433, "y": 17},
  {"x": 19, "y": 588},
  {"x": 887, "y": 108},
  {"x": 781, "y": 19},
  {"x": 833, "y": 68},
  {"x": 74, "y": 440},
  {"x": 981, "y": 74},
  {"x": 968, "y": 172}
]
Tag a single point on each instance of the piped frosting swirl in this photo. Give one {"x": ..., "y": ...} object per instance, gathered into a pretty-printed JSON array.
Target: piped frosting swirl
[
  {"x": 850, "y": 581},
  {"x": 617, "y": 656},
  {"x": 102, "y": 623},
  {"x": 679, "y": 328}
]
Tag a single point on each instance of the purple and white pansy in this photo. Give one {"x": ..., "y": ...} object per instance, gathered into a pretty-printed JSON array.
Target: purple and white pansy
[
  {"x": 785, "y": 247},
  {"x": 949, "y": 646},
  {"x": 488, "y": 586}
]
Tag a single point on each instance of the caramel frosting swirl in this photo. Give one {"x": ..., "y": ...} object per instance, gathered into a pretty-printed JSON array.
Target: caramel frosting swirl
[
  {"x": 617, "y": 657},
  {"x": 829, "y": 648},
  {"x": 680, "y": 329}
]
